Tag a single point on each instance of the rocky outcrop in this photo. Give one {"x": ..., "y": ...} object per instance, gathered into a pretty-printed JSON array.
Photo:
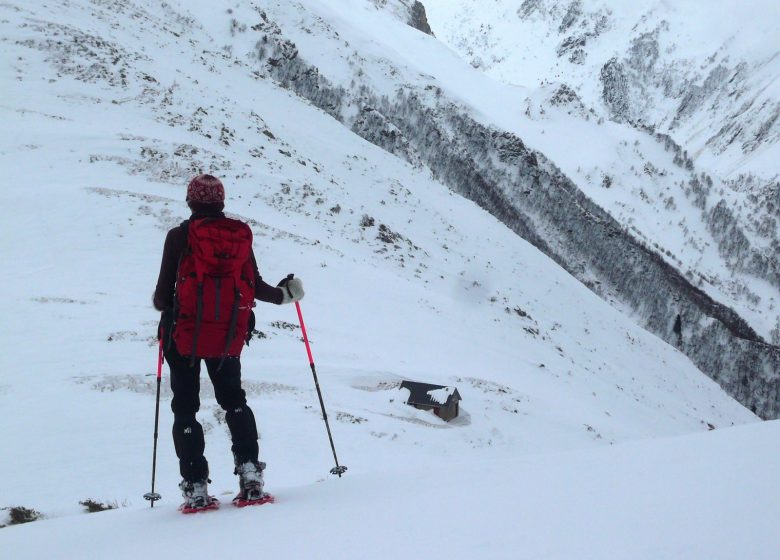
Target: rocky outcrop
[
  {"x": 614, "y": 87},
  {"x": 418, "y": 18},
  {"x": 411, "y": 12}
]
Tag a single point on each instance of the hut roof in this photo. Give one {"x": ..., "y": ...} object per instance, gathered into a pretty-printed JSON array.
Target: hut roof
[{"x": 430, "y": 395}]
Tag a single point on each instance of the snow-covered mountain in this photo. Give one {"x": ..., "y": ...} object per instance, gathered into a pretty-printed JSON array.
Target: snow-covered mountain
[
  {"x": 697, "y": 81},
  {"x": 704, "y": 74},
  {"x": 356, "y": 146},
  {"x": 701, "y": 79},
  {"x": 691, "y": 262}
]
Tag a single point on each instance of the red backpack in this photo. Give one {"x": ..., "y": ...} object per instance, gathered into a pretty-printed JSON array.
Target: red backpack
[{"x": 214, "y": 289}]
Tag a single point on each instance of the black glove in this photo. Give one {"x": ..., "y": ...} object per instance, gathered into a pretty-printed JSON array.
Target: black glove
[
  {"x": 250, "y": 327},
  {"x": 166, "y": 324}
]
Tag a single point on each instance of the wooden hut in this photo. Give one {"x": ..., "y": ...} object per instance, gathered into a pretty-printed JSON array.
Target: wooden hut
[{"x": 442, "y": 400}]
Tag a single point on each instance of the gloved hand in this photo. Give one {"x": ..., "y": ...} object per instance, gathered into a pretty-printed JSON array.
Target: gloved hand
[{"x": 292, "y": 289}]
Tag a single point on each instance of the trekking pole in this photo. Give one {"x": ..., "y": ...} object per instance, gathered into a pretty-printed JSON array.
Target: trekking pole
[
  {"x": 154, "y": 496},
  {"x": 338, "y": 469}
]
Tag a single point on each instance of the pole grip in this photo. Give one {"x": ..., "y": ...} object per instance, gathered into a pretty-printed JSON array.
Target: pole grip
[{"x": 160, "y": 356}]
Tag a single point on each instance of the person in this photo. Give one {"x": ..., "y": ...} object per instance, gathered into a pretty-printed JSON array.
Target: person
[{"x": 206, "y": 200}]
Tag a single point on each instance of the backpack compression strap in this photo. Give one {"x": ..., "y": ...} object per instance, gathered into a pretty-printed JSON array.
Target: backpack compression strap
[
  {"x": 198, "y": 320},
  {"x": 231, "y": 335},
  {"x": 199, "y": 274}
]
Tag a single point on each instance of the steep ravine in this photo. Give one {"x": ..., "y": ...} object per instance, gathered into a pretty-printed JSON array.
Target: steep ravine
[{"x": 531, "y": 196}]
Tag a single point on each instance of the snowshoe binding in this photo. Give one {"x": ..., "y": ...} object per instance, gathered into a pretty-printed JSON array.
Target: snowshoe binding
[
  {"x": 196, "y": 497},
  {"x": 250, "y": 481}
]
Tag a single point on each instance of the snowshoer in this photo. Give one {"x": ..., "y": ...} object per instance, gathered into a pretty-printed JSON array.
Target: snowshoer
[{"x": 207, "y": 286}]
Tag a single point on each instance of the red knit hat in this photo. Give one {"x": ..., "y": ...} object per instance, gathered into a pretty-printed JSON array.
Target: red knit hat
[{"x": 205, "y": 189}]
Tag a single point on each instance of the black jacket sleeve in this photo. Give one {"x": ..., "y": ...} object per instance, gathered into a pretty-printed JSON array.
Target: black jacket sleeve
[
  {"x": 166, "y": 281},
  {"x": 265, "y": 292}
]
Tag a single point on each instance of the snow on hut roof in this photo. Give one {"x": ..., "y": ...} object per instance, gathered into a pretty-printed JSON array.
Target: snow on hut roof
[{"x": 428, "y": 394}]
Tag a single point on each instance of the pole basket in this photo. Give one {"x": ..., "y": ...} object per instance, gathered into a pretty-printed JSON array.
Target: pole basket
[
  {"x": 341, "y": 469},
  {"x": 152, "y": 497}
]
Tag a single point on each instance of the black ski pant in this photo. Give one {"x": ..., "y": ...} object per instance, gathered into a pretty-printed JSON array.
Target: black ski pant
[{"x": 187, "y": 432}]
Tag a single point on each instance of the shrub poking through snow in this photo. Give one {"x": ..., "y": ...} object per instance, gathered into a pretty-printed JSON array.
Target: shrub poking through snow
[
  {"x": 93, "y": 506},
  {"x": 19, "y": 514}
]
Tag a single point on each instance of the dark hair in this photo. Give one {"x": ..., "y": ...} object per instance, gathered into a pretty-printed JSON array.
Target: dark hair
[{"x": 205, "y": 208}]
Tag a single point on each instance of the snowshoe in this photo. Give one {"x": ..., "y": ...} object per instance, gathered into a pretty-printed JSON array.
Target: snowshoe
[
  {"x": 250, "y": 481},
  {"x": 211, "y": 505},
  {"x": 196, "y": 497},
  {"x": 265, "y": 498}
]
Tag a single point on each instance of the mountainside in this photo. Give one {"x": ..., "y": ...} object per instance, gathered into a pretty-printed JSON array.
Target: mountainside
[
  {"x": 369, "y": 180},
  {"x": 699, "y": 83},
  {"x": 403, "y": 91},
  {"x": 421, "y": 104},
  {"x": 706, "y": 75}
]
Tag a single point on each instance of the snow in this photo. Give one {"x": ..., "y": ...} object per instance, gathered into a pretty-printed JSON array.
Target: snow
[
  {"x": 714, "y": 495},
  {"x": 563, "y": 447},
  {"x": 441, "y": 395}
]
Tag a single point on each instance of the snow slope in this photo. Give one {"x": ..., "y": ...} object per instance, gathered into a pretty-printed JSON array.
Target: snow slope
[
  {"x": 110, "y": 108},
  {"x": 711, "y": 496}
]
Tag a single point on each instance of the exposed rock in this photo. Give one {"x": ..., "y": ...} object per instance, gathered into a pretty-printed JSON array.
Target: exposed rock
[
  {"x": 418, "y": 19},
  {"x": 643, "y": 53},
  {"x": 614, "y": 86},
  {"x": 527, "y": 8},
  {"x": 571, "y": 16},
  {"x": 573, "y": 46},
  {"x": 411, "y": 12}
]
